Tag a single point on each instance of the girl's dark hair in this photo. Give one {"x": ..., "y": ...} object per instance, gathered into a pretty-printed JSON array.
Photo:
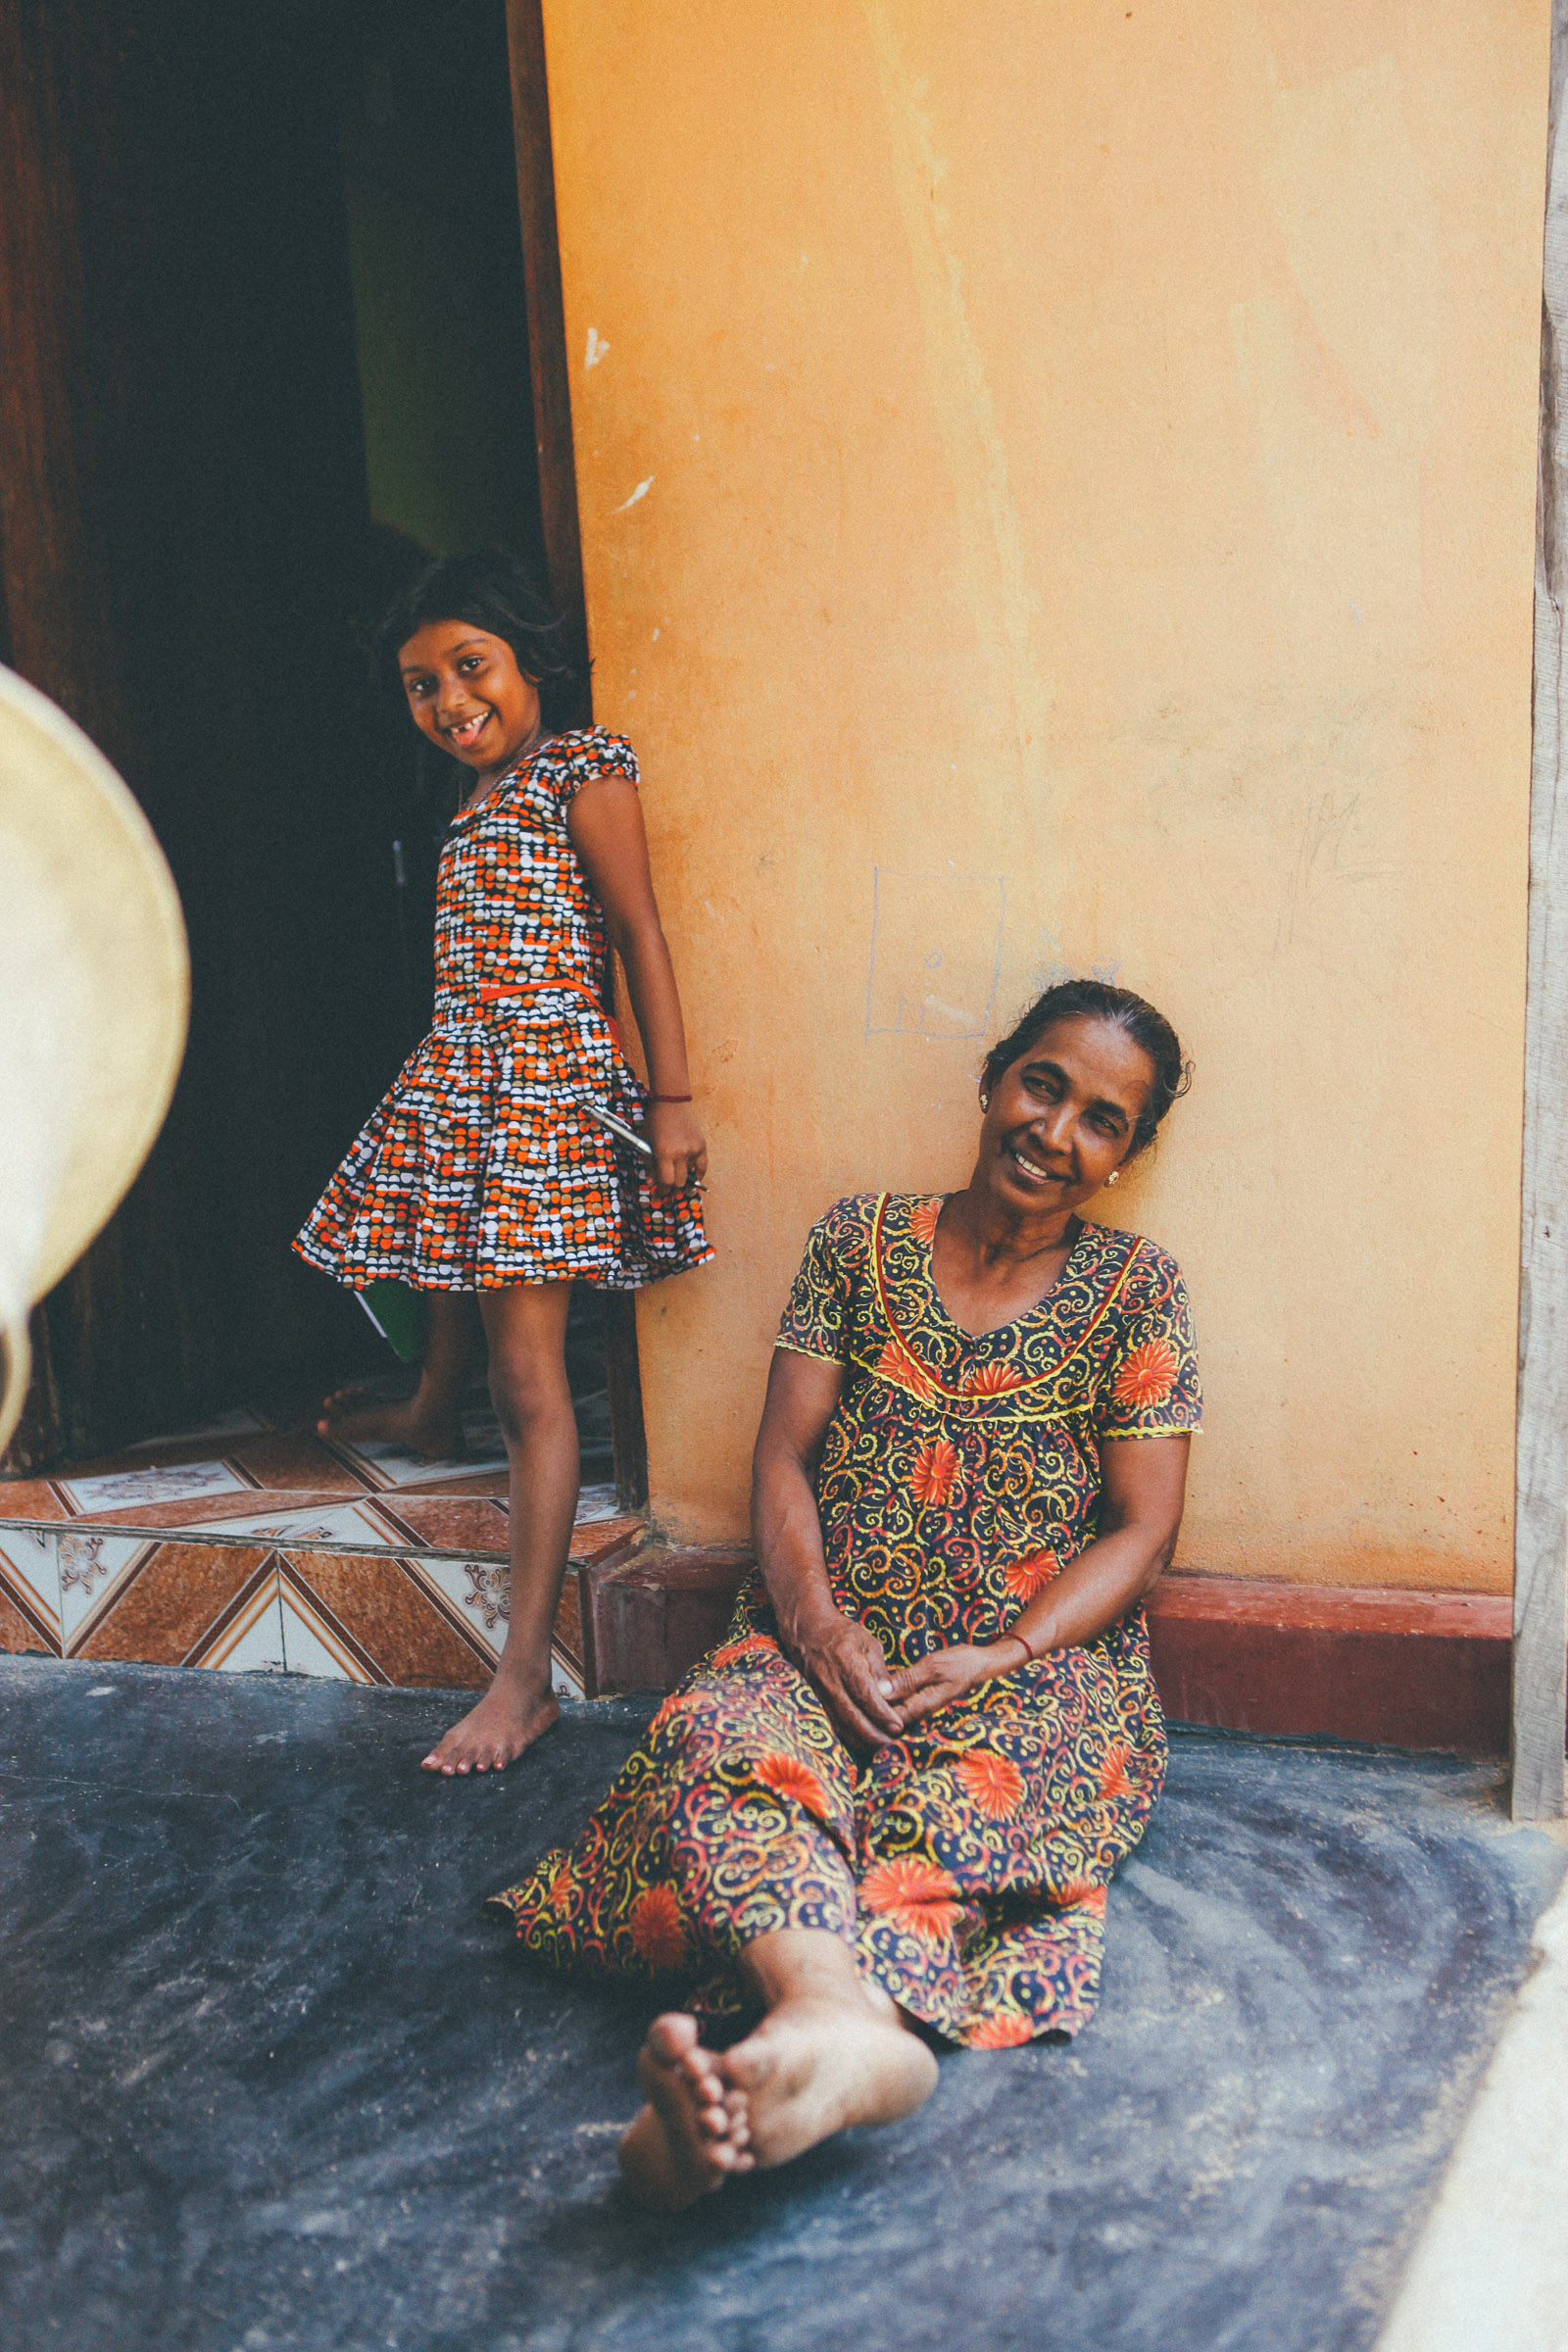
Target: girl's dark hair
[
  {"x": 494, "y": 591},
  {"x": 1098, "y": 1001}
]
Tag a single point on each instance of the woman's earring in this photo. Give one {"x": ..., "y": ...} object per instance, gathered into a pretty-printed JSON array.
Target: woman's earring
[
  {"x": 1114, "y": 1173},
  {"x": 985, "y": 1102}
]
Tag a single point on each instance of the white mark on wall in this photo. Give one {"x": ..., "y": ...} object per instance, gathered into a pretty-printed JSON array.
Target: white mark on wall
[
  {"x": 641, "y": 491},
  {"x": 923, "y": 924},
  {"x": 596, "y": 349}
]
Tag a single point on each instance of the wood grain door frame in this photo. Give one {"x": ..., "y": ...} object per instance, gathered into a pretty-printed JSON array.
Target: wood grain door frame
[
  {"x": 557, "y": 506},
  {"x": 1541, "y": 1503}
]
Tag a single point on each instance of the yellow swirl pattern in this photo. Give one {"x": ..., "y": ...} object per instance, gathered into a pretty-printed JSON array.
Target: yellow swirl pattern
[{"x": 967, "y": 1862}]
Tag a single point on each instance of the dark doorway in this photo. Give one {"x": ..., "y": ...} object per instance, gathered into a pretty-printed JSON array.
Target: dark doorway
[{"x": 267, "y": 272}]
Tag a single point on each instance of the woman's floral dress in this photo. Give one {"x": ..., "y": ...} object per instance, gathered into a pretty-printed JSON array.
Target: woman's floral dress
[
  {"x": 481, "y": 1167},
  {"x": 967, "y": 1861}
]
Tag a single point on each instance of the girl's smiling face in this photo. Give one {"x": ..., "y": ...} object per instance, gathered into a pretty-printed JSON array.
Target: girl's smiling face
[{"x": 467, "y": 694}]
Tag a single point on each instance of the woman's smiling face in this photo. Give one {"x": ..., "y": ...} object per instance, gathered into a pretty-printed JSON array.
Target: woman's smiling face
[
  {"x": 1062, "y": 1116},
  {"x": 467, "y": 694}
]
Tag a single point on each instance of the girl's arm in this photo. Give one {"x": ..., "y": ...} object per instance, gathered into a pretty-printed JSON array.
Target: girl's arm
[
  {"x": 843, "y": 1659},
  {"x": 1143, "y": 1486},
  {"x": 606, "y": 823}
]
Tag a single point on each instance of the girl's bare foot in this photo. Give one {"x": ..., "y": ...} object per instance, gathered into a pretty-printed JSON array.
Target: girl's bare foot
[
  {"x": 816, "y": 2064},
  {"x": 495, "y": 1733},
  {"x": 411, "y": 1422},
  {"x": 693, "y": 2133}
]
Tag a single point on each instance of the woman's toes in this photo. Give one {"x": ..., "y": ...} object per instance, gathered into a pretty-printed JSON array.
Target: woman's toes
[{"x": 671, "y": 2037}]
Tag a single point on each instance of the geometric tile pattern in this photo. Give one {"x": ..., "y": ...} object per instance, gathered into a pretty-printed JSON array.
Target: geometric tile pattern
[{"x": 249, "y": 1550}]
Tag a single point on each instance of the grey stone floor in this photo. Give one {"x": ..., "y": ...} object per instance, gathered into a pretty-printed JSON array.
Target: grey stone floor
[{"x": 275, "y": 2084}]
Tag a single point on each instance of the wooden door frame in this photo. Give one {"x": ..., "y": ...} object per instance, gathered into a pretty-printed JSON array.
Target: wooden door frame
[
  {"x": 1541, "y": 1509},
  {"x": 551, "y": 376}
]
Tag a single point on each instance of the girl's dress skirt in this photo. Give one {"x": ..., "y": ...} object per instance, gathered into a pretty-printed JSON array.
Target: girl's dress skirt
[{"x": 482, "y": 1166}]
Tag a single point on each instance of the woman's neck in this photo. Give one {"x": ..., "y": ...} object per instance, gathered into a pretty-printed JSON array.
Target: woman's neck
[{"x": 1000, "y": 1239}]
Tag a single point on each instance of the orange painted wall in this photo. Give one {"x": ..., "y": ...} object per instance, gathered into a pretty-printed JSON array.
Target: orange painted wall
[{"x": 1058, "y": 488}]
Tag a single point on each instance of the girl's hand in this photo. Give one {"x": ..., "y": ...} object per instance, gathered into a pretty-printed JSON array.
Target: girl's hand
[
  {"x": 680, "y": 1155},
  {"x": 947, "y": 1675},
  {"x": 847, "y": 1665}
]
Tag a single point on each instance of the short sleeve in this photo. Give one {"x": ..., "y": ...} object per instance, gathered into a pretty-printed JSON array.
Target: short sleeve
[
  {"x": 815, "y": 1321},
  {"x": 1148, "y": 1386},
  {"x": 583, "y": 758}
]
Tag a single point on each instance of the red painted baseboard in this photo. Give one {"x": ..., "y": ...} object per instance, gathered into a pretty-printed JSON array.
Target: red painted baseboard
[
  {"x": 1402, "y": 1669},
  {"x": 1422, "y": 1670},
  {"x": 655, "y": 1614}
]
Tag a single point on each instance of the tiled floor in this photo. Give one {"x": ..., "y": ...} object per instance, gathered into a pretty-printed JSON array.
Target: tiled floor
[{"x": 250, "y": 1548}]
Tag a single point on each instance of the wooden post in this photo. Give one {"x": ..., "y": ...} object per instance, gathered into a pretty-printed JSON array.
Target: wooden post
[
  {"x": 1540, "y": 1524},
  {"x": 547, "y": 326}
]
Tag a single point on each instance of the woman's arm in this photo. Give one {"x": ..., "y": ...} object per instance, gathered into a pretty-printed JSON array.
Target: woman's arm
[
  {"x": 1143, "y": 1486},
  {"x": 606, "y": 823},
  {"x": 843, "y": 1659}
]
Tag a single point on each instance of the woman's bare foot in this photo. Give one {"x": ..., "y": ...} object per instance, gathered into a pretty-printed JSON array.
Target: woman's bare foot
[
  {"x": 412, "y": 1422},
  {"x": 816, "y": 2065},
  {"x": 693, "y": 2133},
  {"x": 495, "y": 1733}
]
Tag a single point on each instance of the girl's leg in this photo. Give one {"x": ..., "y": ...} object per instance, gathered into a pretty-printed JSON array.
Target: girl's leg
[
  {"x": 427, "y": 1422},
  {"x": 831, "y": 2051},
  {"x": 525, "y": 1325}
]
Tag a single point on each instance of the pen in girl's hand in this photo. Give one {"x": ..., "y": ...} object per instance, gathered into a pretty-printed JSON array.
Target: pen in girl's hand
[{"x": 628, "y": 1135}]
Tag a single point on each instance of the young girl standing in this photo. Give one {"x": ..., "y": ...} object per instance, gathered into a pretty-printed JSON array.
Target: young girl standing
[{"x": 481, "y": 1171}]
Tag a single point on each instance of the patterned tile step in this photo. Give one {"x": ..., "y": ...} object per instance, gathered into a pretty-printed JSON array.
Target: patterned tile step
[
  {"x": 361, "y": 1615},
  {"x": 248, "y": 1549}
]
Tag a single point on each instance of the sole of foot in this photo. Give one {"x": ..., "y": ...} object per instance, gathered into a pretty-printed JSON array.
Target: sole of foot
[
  {"x": 693, "y": 2135},
  {"x": 815, "y": 2067},
  {"x": 349, "y": 1416},
  {"x": 494, "y": 1734}
]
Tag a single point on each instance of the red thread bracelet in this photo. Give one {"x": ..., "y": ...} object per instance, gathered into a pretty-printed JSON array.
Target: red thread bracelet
[{"x": 670, "y": 1097}]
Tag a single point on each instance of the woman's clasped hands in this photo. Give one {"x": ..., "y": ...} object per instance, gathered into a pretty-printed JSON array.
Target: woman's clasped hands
[{"x": 868, "y": 1701}]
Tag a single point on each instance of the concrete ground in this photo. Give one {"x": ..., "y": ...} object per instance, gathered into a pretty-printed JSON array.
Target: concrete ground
[{"x": 273, "y": 2081}]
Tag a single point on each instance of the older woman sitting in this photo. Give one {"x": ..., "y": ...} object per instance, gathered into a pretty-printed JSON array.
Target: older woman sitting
[{"x": 889, "y": 1805}]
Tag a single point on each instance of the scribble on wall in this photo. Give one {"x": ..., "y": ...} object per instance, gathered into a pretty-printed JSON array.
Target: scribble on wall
[{"x": 936, "y": 953}]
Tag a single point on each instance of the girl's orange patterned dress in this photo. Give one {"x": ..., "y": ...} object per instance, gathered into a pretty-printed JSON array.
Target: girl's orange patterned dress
[
  {"x": 481, "y": 1167},
  {"x": 966, "y": 1862}
]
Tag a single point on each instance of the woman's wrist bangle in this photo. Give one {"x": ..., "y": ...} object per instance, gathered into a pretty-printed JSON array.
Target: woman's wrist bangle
[
  {"x": 1029, "y": 1657},
  {"x": 670, "y": 1097}
]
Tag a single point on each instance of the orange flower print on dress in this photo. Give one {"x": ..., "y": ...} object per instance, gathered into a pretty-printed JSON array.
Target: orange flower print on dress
[
  {"x": 516, "y": 1182},
  {"x": 994, "y": 1782},
  {"x": 935, "y": 1477},
  {"x": 1025, "y": 1578},
  {"x": 901, "y": 1370},
  {"x": 656, "y": 1927},
  {"x": 562, "y": 1887},
  {"x": 1002, "y": 2030},
  {"x": 788, "y": 1777},
  {"x": 754, "y": 1645},
  {"x": 967, "y": 1871},
  {"x": 1148, "y": 1375},
  {"x": 917, "y": 1896},
  {"x": 991, "y": 1380},
  {"x": 923, "y": 1219}
]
